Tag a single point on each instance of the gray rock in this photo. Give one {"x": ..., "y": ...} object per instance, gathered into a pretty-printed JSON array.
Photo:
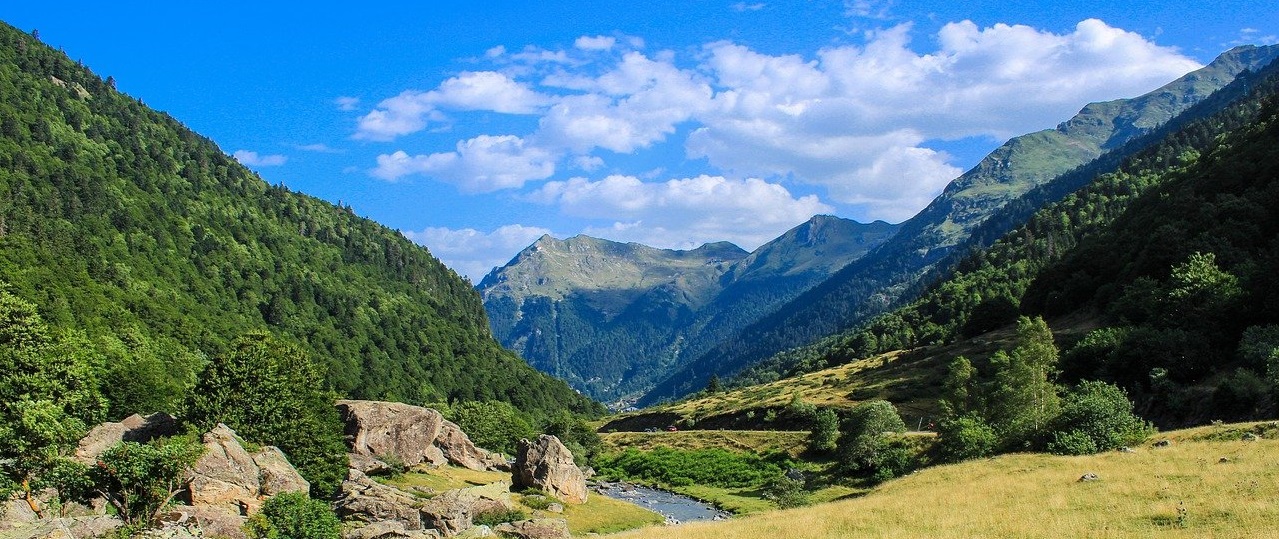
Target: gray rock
[
  {"x": 366, "y": 501},
  {"x": 546, "y": 464},
  {"x": 540, "y": 528},
  {"x": 386, "y": 530},
  {"x": 134, "y": 428},
  {"x": 555, "y": 508},
  {"x": 1089, "y": 477},
  {"x": 210, "y": 520},
  {"x": 385, "y": 429},
  {"x": 1163, "y": 443},
  {"x": 1250, "y": 437}
]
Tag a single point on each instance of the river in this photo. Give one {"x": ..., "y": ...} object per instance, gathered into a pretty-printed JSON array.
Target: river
[{"x": 676, "y": 508}]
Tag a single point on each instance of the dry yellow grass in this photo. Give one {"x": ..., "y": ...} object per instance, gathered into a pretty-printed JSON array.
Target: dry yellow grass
[{"x": 1181, "y": 491}]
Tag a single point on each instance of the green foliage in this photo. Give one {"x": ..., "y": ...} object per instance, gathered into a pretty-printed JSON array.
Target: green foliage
[
  {"x": 498, "y": 515},
  {"x": 293, "y": 515},
  {"x": 824, "y": 437},
  {"x": 1024, "y": 398},
  {"x": 865, "y": 444},
  {"x": 576, "y": 435},
  {"x": 269, "y": 392},
  {"x": 787, "y": 492},
  {"x": 493, "y": 425},
  {"x": 959, "y": 394},
  {"x": 48, "y": 397},
  {"x": 1242, "y": 395},
  {"x": 677, "y": 467},
  {"x": 965, "y": 437},
  {"x": 138, "y": 480},
  {"x": 1099, "y": 416},
  {"x": 123, "y": 224},
  {"x": 536, "y": 500}
]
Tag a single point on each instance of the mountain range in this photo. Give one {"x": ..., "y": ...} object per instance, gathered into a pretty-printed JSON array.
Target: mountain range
[
  {"x": 747, "y": 317},
  {"x": 614, "y": 318}
]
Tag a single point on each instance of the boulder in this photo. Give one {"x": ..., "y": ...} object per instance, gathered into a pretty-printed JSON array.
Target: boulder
[
  {"x": 386, "y": 530},
  {"x": 212, "y": 521},
  {"x": 367, "y": 464},
  {"x": 546, "y": 464},
  {"x": 226, "y": 474},
  {"x": 276, "y": 475},
  {"x": 457, "y": 447},
  {"x": 134, "y": 428},
  {"x": 383, "y": 429},
  {"x": 66, "y": 528},
  {"x": 364, "y": 500},
  {"x": 539, "y": 528}
]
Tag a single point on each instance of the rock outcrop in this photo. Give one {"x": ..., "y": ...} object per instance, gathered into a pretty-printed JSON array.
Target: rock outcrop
[
  {"x": 373, "y": 510},
  {"x": 230, "y": 478},
  {"x": 134, "y": 428},
  {"x": 546, "y": 464},
  {"x": 410, "y": 434},
  {"x": 541, "y": 528}
]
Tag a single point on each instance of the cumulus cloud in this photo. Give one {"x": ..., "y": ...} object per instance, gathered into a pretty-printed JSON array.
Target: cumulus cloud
[
  {"x": 480, "y": 165},
  {"x": 412, "y": 111},
  {"x": 680, "y": 213},
  {"x": 474, "y": 253},
  {"x": 852, "y": 120},
  {"x": 596, "y": 43},
  {"x": 252, "y": 159}
]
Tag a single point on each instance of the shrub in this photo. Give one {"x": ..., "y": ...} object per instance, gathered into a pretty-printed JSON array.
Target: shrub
[
  {"x": 966, "y": 437},
  {"x": 536, "y": 500},
  {"x": 138, "y": 480},
  {"x": 1102, "y": 413},
  {"x": 493, "y": 425},
  {"x": 1073, "y": 442},
  {"x": 787, "y": 492},
  {"x": 493, "y": 517},
  {"x": 862, "y": 441},
  {"x": 825, "y": 434},
  {"x": 293, "y": 515}
]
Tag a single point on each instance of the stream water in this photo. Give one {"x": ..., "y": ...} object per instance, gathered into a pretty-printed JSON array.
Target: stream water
[{"x": 676, "y": 508}]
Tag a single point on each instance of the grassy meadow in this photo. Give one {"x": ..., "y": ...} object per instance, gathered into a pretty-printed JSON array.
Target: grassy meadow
[{"x": 1209, "y": 482}]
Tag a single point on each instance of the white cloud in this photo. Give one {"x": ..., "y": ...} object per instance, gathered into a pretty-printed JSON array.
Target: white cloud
[
  {"x": 680, "y": 213},
  {"x": 597, "y": 43},
  {"x": 851, "y": 119},
  {"x": 480, "y": 165},
  {"x": 252, "y": 159},
  {"x": 473, "y": 253},
  {"x": 413, "y": 111},
  {"x": 1253, "y": 36},
  {"x": 743, "y": 6},
  {"x": 347, "y": 103}
]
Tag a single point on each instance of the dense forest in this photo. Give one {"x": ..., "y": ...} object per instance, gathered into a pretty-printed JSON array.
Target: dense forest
[
  {"x": 158, "y": 250},
  {"x": 1172, "y": 254}
]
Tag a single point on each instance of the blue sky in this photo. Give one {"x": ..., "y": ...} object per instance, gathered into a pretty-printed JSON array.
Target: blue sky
[{"x": 475, "y": 127}]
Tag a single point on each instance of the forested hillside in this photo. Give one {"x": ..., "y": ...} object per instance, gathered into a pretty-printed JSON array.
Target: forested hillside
[
  {"x": 966, "y": 216},
  {"x": 1173, "y": 254},
  {"x": 159, "y": 249}
]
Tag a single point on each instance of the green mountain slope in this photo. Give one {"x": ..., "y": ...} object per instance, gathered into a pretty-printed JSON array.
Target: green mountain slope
[
  {"x": 891, "y": 274},
  {"x": 613, "y": 318},
  {"x": 118, "y": 221},
  {"x": 1106, "y": 254}
]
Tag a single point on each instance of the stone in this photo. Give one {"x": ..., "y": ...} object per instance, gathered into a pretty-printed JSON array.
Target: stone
[
  {"x": 367, "y": 464},
  {"x": 449, "y": 512},
  {"x": 457, "y": 447},
  {"x": 545, "y": 464},
  {"x": 1250, "y": 437},
  {"x": 16, "y": 513},
  {"x": 1089, "y": 477},
  {"x": 1163, "y": 443},
  {"x": 386, "y": 530},
  {"x": 212, "y": 521},
  {"x": 1223, "y": 460},
  {"x": 363, "y": 500},
  {"x": 134, "y": 428},
  {"x": 386, "y": 429},
  {"x": 276, "y": 475},
  {"x": 555, "y": 508},
  {"x": 539, "y": 528},
  {"x": 226, "y": 474},
  {"x": 65, "y": 528}
]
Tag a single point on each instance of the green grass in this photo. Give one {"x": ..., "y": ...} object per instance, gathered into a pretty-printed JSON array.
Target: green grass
[{"x": 601, "y": 514}]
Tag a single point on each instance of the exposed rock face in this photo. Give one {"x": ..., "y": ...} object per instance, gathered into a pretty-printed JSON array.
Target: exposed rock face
[
  {"x": 229, "y": 478},
  {"x": 381, "y": 511},
  {"x": 64, "y": 528},
  {"x": 381, "y": 429},
  {"x": 134, "y": 428},
  {"x": 546, "y": 464},
  {"x": 541, "y": 528},
  {"x": 413, "y": 434},
  {"x": 365, "y": 500},
  {"x": 456, "y": 446},
  {"x": 212, "y": 521}
]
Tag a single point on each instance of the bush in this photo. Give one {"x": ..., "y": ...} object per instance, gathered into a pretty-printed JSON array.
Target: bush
[
  {"x": 862, "y": 442},
  {"x": 1100, "y": 412},
  {"x": 493, "y": 425},
  {"x": 1241, "y": 396},
  {"x": 966, "y": 437},
  {"x": 293, "y": 515},
  {"x": 824, "y": 437},
  {"x": 787, "y": 492},
  {"x": 1073, "y": 442},
  {"x": 679, "y": 467},
  {"x": 138, "y": 480},
  {"x": 493, "y": 517},
  {"x": 536, "y": 499}
]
